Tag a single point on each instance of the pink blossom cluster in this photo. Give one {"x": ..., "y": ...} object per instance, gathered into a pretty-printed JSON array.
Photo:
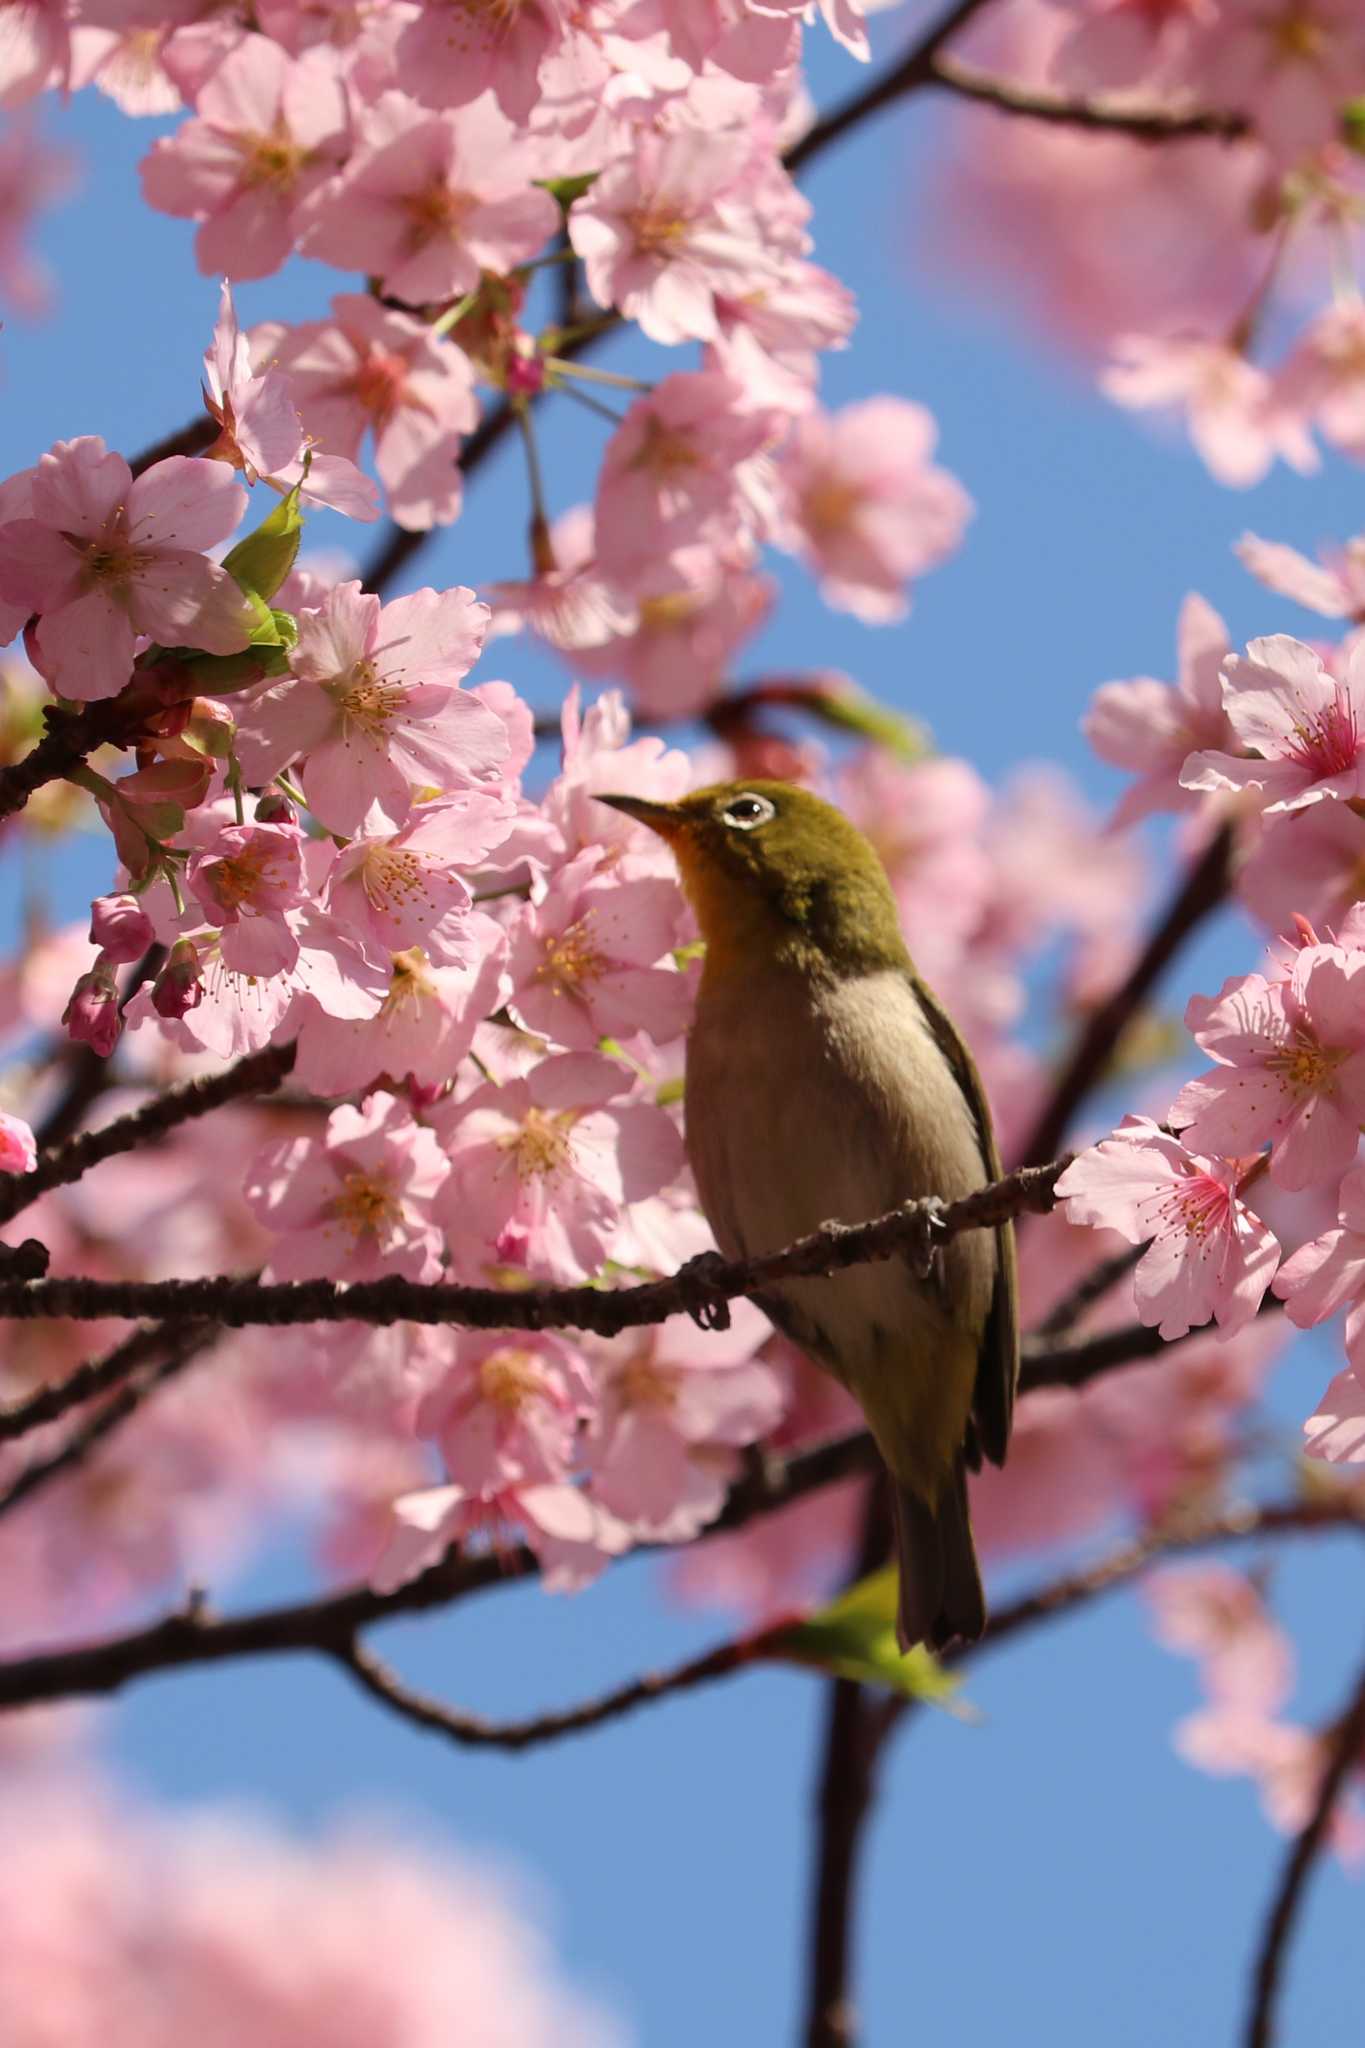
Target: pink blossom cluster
[
  {"x": 1182, "y": 267},
  {"x": 1269, "y": 748},
  {"x": 441, "y": 152},
  {"x": 127, "y": 1925}
]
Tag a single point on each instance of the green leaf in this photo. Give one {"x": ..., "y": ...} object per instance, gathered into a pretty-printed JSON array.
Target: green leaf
[
  {"x": 566, "y": 190},
  {"x": 218, "y": 675},
  {"x": 851, "y": 711},
  {"x": 1353, "y": 126},
  {"x": 260, "y": 563},
  {"x": 855, "y": 1637}
]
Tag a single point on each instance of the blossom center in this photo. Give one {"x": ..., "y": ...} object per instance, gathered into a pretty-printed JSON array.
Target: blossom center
[
  {"x": 366, "y": 1205},
  {"x": 367, "y": 701},
  {"x": 105, "y": 564},
  {"x": 1197, "y": 1205},
  {"x": 663, "y": 452},
  {"x": 508, "y": 1379},
  {"x": 674, "y": 608},
  {"x": 410, "y": 983},
  {"x": 1297, "y": 37},
  {"x": 657, "y": 231},
  {"x": 1328, "y": 742},
  {"x": 828, "y": 506},
  {"x": 572, "y": 959},
  {"x": 393, "y": 879},
  {"x": 541, "y": 1145},
  {"x": 436, "y": 213},
  {"x": 1307, "y": 1067},
  {"x": 380, "y": 382},
  {"x": 274, "y": 159},
  {"x": 643, "y": 1384}
]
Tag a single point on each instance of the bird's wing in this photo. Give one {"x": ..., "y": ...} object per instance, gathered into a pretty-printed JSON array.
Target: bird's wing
[{"x": 997, "y": 1370}]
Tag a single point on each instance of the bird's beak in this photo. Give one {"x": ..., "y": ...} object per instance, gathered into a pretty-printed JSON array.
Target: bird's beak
[{"x": 664, "y": 819}]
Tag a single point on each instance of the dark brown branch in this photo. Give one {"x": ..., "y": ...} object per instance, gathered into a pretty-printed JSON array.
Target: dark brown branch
[
  {"x": 96, "y": 1376},
  {"x": 854, "y": 1735},
  {"x": 256, "y": 1074},
  {"x": 1100, "y": 117},
  {"x": 1201, "y": 891},
  {"x": 328, "y": 1624},
  {"x": 911, "y": 73},
  {"x": 191, "y": 439},
  {"x": 702, "y": 1288},
  {"x": 181, "y": 1346},
  {"x": 1346, "y": 1740},
  {"x": 472, "y": 1731}
]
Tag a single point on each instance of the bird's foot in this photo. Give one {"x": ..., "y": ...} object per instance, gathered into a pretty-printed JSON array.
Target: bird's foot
[
  {"x": 709, "y": 1309},
  {"x": 924, "y": 1240}
]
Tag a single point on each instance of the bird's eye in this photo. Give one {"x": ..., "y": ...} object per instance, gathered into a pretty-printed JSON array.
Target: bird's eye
[{"x": 749, "y": 811}]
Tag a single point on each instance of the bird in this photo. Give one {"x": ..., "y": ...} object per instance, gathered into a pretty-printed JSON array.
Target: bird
[{"x": 824, "y": 1081}]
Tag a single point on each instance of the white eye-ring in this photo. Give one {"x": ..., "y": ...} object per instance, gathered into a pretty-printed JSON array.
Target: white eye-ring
[{"x": 749, "y": 811}]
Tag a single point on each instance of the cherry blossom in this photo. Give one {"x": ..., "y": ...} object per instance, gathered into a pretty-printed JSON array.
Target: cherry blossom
[
  {"x": 452, "y": 51},
  {"x": 1151, "y": 728},
  {"x": 674, "y": 1402},
  {"x": 268, "y": 128},
  {"x": 373, "y": 705},
  {"x": 865, "y": 506},
  {"x": 357, "y": 1203},
  {"x": 1291, "y": 1069},
  {"x": 508, "y": 1409},
  {"x": 105, "y": 557},
  {"x": 427, "y": 204},
  {"x": 1299, "y": 723},
  {"x": 678, "y": 472},
  {"x": 1334, "y": 585},
  {"x": 1235, "y": 421},
  {"x": 542, "y": 1168},
  {"x": 1318, "y": 1281},
  {"x": 663, "y": 233},
  {"x": 120, "y": 927},
  {"x": 574, "y": 1537},
  {"x": 246, "y": 880},
  {"x": 1209, "y": 1255},
  {"x": 590, "y": 959},
  {"x": 368, "y": 368}
]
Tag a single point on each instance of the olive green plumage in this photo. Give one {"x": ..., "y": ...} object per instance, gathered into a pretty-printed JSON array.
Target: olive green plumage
[{"x": 824, "y": 1080}]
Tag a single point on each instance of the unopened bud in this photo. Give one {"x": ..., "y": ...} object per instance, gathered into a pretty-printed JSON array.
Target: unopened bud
[
  {"x": 178, "y": 988},
  {"x": 91, "y": 1016},
  {"x": 120, "y": 927},
  {"x": 274, "y": 808}
]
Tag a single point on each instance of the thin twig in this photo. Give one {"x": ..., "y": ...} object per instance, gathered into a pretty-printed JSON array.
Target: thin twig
[
  {"x": 328, "y": 1623},
  {"x": 95, "y": 1376},
  {"x": 192, "y": 439},
  {"x": 1347, "y": 1740},
  {"x": 1102, "y": 117},
  {"x": 256, "y": 1074},
  {"x": 185, "y": 1345},
  {"x": 472, "y": 1731},
  {"x": 1090, "y": 1288}
]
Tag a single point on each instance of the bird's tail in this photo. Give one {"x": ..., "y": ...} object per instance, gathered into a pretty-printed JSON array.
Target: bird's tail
[{"x": 940, "y": 1581}]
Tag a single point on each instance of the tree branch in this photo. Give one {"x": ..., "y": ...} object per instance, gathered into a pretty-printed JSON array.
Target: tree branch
[
  {"x": 256, "y": 1074},
  {"x": 1201, "y": 891},
  {"x": 1347, "y": 1741},
  {"x": 1104, "y": 117},
  {"x": 329, "y": 1623},
  {"x": 702, "y": 1288},
  {"x": 180, "y": 1346},
  {"x": 96, "y": 1376},
  {"x": 472, "y": 1731}
]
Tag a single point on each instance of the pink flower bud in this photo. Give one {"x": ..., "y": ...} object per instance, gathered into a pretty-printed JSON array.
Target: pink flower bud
[
  {"x": 120, "y": 927},
  {"x": 178, "y": 988},
  {"x": 274, "y": 808},
  {"x": 18, "y": 1151},
  {"x": 91, "y": 1016},
  {"x": 524, "y": 374}
]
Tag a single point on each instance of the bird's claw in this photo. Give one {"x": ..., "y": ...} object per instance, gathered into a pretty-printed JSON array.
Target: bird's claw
[
  {"x": 923, "y": 1244},
  {"x": 709, "y": 1309}
]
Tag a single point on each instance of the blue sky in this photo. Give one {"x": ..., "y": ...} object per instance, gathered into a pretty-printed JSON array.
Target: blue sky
[{"x": 1053, "y": 1872}]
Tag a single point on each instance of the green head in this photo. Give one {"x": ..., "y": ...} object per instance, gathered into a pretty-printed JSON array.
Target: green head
[{"x": 774, "y": 872}]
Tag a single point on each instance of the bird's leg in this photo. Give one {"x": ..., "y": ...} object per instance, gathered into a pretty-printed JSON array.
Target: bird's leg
[
  {"x": 924, "y": 1240},
  {"x": 708, "y": 1309}
]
